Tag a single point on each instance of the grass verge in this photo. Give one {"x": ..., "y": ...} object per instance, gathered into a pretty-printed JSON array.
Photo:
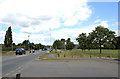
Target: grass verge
[{"x": 78, "y": 53}]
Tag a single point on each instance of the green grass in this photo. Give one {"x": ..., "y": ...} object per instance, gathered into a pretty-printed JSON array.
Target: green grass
[
  {"x": 44, "y": 57},
  {"x": 105, "y": 53},
  {"x": 78, "y": 53},
  {"x": 6, "y": 53}
]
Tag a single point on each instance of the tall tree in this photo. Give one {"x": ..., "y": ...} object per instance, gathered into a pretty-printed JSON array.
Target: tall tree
[
  {"x": 102, "y": 35},
  {"x": 82, "y": 39},
  {"x": 116, "y": 42},
  {"x": 8, "y": 37}
]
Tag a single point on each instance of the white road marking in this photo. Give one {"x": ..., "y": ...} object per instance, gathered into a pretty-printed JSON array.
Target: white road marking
[
  {"x": 13, "y": 73},
  {"x": 21, "y": 55}
]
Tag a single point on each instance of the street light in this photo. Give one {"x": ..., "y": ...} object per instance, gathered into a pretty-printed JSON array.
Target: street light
[{"x": 28, "y": 43}]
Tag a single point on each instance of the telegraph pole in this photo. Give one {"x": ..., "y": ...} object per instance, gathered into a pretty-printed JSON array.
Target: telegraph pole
[{"x": 50, "y": 37}]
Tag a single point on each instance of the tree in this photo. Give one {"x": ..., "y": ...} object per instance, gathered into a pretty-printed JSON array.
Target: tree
[
  {"x": 82, "y": 39},
  {"x": 116, "y": 42},
  {"x": 69, "y": 45},
  {"x": 68, "y": 40},
  {"x": 8, "y": 37},
  {"x": 57, "y": 44},
  {"x": 25, "y": 44},
  {"x": 63, "y": 41},
  {"x": 89, "y": 42},
  {"x": 102, "y": 35}
]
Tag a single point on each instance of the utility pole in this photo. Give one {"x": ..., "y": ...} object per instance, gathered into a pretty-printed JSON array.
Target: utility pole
[{"x": 50, "y": 37}]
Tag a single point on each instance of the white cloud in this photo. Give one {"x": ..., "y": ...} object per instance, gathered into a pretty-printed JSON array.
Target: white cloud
[
  {"x": 38, "y": 16},
  {"x": 2, "y": 35},
  {"x": 98, "y": 20},
  {"x": 43, "y": 13},
  {"x": 115, "y": 24},
  {"x": 74, "y": 32},
  {"x": 104, "y": 23},
  {"x": 44, "y": 37}
]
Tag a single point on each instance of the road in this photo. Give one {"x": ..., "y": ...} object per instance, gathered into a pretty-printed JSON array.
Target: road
[
  {"x": 12, "y": 64},
  {"x": 82, "y": 68},
  {"x": 28, "y": 66}
]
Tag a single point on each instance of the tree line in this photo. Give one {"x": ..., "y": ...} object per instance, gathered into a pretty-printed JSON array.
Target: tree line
[
  {"x": 63, "y": 44},
  {"x": 9, "y": 45},
  {"x": 100, "y": 38}
]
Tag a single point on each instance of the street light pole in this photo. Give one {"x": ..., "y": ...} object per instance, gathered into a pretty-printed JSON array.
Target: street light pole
[{"x": 28, "y": 43}]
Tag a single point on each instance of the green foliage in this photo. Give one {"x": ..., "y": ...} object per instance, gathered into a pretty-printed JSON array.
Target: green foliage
[
  {"x": 103, "y": 36},
  {"x": 68, "y": 40},
  {"x": 38, "y": 46},
  {"x": 69, "y": 45},
  {"x": 82, "y": 39},
  {"x": 116, "y": 42},
  {"x": 58, "y": 44},
  {"x": 8, "y": 38},
  {"x": 99, "y": 37},
  {"x": 27, "y": 46},
  {"x": 4, "y": 48}
]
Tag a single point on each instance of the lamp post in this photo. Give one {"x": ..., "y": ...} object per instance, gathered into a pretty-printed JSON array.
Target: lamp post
[{"x": 28, "y": 43}]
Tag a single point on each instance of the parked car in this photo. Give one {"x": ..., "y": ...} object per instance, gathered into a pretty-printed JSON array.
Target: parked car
[{"x": 20, "y": 51}]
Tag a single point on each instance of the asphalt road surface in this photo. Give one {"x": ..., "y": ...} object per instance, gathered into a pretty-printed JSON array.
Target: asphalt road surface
[
  {"x": 28, "y": 66},
  {"x": 13, "y": 64},
  {"x": 82, "y": 68}
]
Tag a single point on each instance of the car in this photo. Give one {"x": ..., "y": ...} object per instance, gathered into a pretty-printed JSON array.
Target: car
[
  {"x": 45, "y": 48},
  {"x": 20, "y": 51},
  {"x": 32, "y": 50}
]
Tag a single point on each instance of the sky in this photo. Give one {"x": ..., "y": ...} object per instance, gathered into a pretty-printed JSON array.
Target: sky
[{"x": 48, "y": 20}]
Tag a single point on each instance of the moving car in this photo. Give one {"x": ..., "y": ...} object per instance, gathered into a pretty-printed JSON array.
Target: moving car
[
  {"x": 45, "y": 48},
  {"x": 20, "y": 51},
  {"x": 32, "y": 51}
]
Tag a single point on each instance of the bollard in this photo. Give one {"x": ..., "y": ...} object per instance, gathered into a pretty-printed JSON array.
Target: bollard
[
  {"x": 58, "y": 54},
  {"x": 17, "y": 76},
  {"x": 110, "y": 56},
  {"x": 64, "y": 55},
  {"x": 60, "y": 51},
  {"x": 72, "y": 56},
  {"x": 90, "y": 56},
  {"x": 100, "y": 56}
]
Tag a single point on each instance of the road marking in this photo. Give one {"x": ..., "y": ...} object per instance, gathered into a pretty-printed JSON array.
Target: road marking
[
  {"x": 14, "y": 72},
  {"x": 21, "y": 55}
]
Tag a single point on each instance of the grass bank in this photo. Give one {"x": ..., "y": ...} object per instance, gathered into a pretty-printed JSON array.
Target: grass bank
[
  {"x": 78, "y": 53},
  {"x": 7, "y": 53}
]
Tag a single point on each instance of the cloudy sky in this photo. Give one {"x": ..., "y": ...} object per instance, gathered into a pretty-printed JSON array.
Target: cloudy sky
[{"x": 48, "y": 20}]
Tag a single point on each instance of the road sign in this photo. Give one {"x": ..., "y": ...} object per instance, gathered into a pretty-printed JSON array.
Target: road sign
[{"x": 28, "y": 42}]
